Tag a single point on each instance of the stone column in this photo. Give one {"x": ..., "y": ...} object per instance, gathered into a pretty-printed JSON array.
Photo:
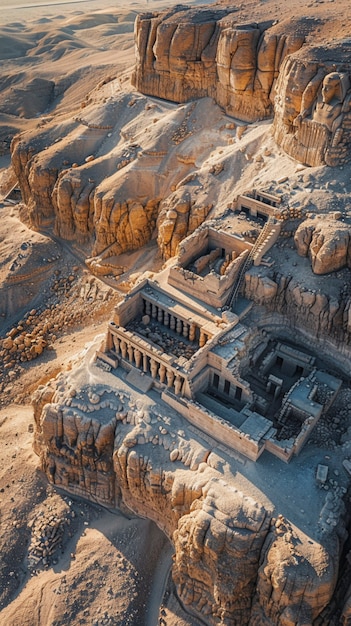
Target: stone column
[
  {"x": 137, "y": 357},
  {"x": 154, "y": 311},
  {"x": 123, "y": 349},
  {"x": 108, "y": 343},
  {"x": 130, "y": 353},
  {"x": 172, "y": 323},
  {"x": 153, "y": 368},
  {"x": 160, "y": 315},
  {"x": 147, "y": 307},
  {"x": 185, "y": 329},
  {"x": 166, "y": 318},
  {"x": 192, "y": 332},
  {"x": 145, "y": 363},
  {"x": 116, "y": 343},
  {"x": 277, "y": 391},
  {"x": 178, "y": 383},
  {"x": 203, "y": 338},
  {"x": 162, "y": 373},
  {"x": 170, "y": 378},
  {"x": 179, "y": 326}
]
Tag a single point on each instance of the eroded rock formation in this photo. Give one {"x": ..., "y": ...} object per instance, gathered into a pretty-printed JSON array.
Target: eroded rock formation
[
  {"x": 254, "y": 71},
  {"x": 326, "y": 242},
  {"x": 185, "y": 53},
  {"x": 234, "y": 562},
  {"x": 179, "y": 216},
  {"x": 103, "y": 189}
]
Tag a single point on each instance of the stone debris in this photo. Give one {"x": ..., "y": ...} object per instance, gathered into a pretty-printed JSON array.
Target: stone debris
[{"x": 49, "y": 527}]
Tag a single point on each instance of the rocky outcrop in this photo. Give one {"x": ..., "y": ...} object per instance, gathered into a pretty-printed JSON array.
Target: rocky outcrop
[
  {"x": 254, "y": 71},
  {"x": 179, "y": 217},
  {"x": 234, "y": 563},
  {"x": 185, "y": 53},
  {"x": 327, "y": 242},
  {"x": 100, "y": 189}
]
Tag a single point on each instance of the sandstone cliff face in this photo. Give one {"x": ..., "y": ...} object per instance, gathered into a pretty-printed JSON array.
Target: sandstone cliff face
[
  {"x": 254, "y": 71},
  {"x": 184, "y": 54},
  {"x": 179, "y": 216},
  {"x": 234, "y": 563}
]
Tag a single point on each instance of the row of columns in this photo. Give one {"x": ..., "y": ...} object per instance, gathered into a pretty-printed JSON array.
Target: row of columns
[
  {"x": 186, "y": 329},
  {"x": 141, "y": 360}
]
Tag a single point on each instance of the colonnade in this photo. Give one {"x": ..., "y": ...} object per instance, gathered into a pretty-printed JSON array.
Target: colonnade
[
  {"x": 189, "y": 330},
  {"x": 148, "y": 364}
]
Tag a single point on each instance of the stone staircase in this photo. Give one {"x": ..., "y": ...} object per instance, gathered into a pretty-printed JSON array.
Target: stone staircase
[{"x": 255, "y": 251}]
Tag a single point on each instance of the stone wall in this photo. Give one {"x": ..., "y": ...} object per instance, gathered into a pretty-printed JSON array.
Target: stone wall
[{"x": 212, "y": 287}]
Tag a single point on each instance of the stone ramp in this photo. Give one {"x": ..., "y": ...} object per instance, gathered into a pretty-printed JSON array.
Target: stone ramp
[{"x": 140, "y": 381}]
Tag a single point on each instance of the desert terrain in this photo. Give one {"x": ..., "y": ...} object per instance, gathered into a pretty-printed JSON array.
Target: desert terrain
[{"x": 66, "y": 91}]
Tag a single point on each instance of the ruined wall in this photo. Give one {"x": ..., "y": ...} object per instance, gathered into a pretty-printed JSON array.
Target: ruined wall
[{"x": 213, "y": 287}]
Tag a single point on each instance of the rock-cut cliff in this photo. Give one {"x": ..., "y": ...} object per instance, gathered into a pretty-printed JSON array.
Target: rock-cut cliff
[{"x": 253, "y": 71}]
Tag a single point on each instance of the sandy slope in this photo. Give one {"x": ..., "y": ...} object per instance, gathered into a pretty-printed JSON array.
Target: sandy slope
[{"x": 104, "y": 572}]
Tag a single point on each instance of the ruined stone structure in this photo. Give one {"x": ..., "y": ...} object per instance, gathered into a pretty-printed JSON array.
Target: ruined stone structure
[
  {"x": 99, "y": 441},
  {"x": 190, "y": 400},
  {"x": 167, "y": 335}
]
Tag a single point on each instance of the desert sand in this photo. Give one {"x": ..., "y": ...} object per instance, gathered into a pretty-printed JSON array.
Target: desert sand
[{"x": 107, "y": 568}]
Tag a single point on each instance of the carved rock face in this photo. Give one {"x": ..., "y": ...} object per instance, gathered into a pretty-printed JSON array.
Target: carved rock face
[
  {"x": 312, "y": 106},
  {"x": 254, "y": 71}
]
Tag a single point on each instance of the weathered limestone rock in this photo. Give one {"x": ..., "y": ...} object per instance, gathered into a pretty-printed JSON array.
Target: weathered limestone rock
[
  {"x": 312, "y": 114},
  {"x": 234, "y": 564},
  {"x": 217, "y": 546},
  {"x": 280, "y": 581},
  {"x": 178, "y": 218},
  {"x": 253, "y": 71},
  {"x": 327, "y": 242},
  {"x": 188, "y": 53},
  {"x": 123, "y": 226},
  {"x": 112, "y": 203}
]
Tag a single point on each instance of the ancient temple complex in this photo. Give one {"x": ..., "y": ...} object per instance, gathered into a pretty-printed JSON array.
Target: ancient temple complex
[{"x": 183, "y": 333}]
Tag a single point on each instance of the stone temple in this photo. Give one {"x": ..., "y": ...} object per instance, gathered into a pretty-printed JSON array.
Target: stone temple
[{"x": 183, "y": 333}]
